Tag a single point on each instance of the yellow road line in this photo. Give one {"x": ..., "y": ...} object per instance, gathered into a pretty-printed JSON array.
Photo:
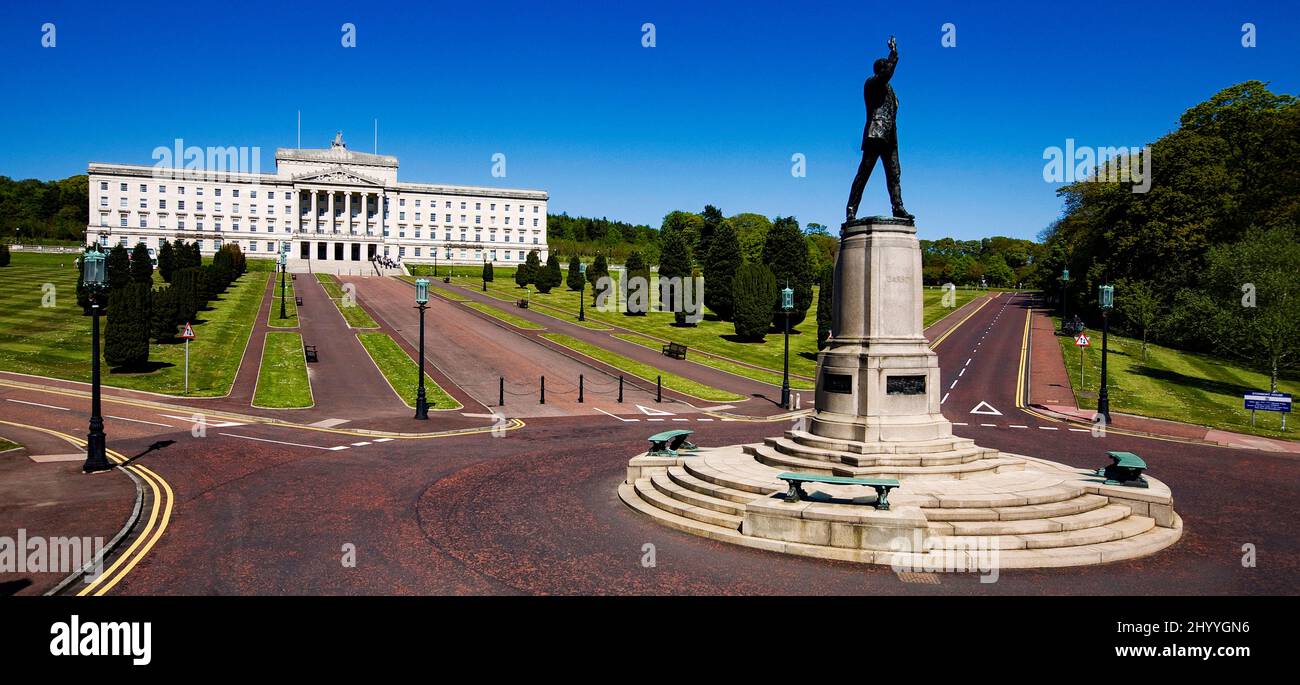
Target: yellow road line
[
  {"x": 147, "y": 538},
  {"x": 959, "y": 323}
]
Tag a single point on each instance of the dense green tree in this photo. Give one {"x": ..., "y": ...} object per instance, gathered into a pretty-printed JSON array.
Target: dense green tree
[
  {"x": 752, "y": 290},
  {"x": 598, "y": 269},
  {"x": 751, "y": 231},
  {"x": 825, "y": 306},
  {"x": 166, "y": 261},
  {"x": 532, "y": 268},
  {"x": 674, "y": 272},
  {"x": 719, "y": 269},
  {"x": 1140, "y": 305},
  {"x": 141, "y": 264},
  {"x": 688, "y": 223},
  {"x": 117, "y": 273},
  {"x": 637, "y": 286},
  {"x": 162, "y": 315},
  {"x": 4, "y": 255},
  {"x": 1249, "y": 307},
  {"x": 550, "y": 276},
  {"x": 185, "y": 295},
  {"x": 710, "y": 220},
  {"x": 574, "y": 278},
  {"x": 787, "y": 255},
  {"x": 488, "y": 275},
  {"x": 126, "y": 335}
]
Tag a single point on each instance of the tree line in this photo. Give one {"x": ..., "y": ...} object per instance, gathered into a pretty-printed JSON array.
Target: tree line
[
  {"x": 1206, "y": 260},
  {"x": 138, "y": 312},
  {"x": 32, "y": 210}
]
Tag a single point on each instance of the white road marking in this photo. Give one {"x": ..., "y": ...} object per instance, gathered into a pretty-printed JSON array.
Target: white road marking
[
  {"x": 339, "y": 447},
  {"x": 967, "y": 362},
  {"x": 956, "y": 423},
  {"x": 616, "y": 416},
  {"x": 360, "y": 444},
  {"x": 962, "y": 372},
  {"x": 1080, "y": 430},
  {"x": 1048, "y": 428},
  {"x": 278, "y": 442},
  {"x": 383, "y": 439},
  {"x": 38, "y": 404},
  {"x": 986, "y": 409},
  {"x": 653, "y": 412},
  {"x": 681, "y": 419},
  {"x": 954, "y": 384},
  {"x": 224, "y": 424},
  {"x": 1016, "y": 426},
  {"x": 703, "y": 419},
  {"x": 945, "y": 398},
  {"x": 989, "y": 425},
  {"x": 151, "y": 423},
  {"x": 654, "y": 419}
]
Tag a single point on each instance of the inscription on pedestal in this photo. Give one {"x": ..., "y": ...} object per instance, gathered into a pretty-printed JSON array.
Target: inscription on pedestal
[
  {"x": 837, "y": 382},
  {"x": 905, "y": 385}
]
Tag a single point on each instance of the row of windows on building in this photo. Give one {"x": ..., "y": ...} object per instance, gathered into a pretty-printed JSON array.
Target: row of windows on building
[
  {"x": 271, "y": 247},
  {"x": 288, "y": 195},
  {"x": 124, "y": 218},
  {"x": 217, "y": 208}
]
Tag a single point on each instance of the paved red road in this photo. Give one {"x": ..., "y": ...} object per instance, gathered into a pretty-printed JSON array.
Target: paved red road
[
  {"x": 474, "y": 351},
  {"x": 535, "y": 511}
]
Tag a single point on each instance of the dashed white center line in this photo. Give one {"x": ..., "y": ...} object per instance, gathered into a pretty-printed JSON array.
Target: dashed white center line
[
  {"x": 945, "y": 398},
  {"x": 954, "y": 384},
  {"x": 958, "y": 423},
  {"x": 151, "y": 423},
  {"x": 383, "y": 440},
  {"x": 1048, "y": 428},
  {"x": 962, "y": 372},
  {"x": 360, "y": 444},
  {"x": 989, "y": 425},
  {"x": 38, "y": 404},
  {"x": 1016, "y": 426},
  {"x": 1080, "y": 430},
  {"x": 967, "y": 362}
]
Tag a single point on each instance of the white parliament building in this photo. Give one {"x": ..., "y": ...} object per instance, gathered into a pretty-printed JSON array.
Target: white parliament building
[{"x": 331, "y": 209}]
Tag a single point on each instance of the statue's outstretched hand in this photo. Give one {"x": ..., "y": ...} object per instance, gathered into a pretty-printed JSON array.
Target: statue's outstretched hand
[{"x": 893, "y": 45}]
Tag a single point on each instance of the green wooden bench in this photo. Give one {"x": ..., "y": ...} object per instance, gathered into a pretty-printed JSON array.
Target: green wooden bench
[
  {"x": 522, "y": 304},
  {"x": 1125, "y": 469},
  {"x": 667, "y": 443},
  {"x": 796, "y": 481},
  {"x": 675, "y": 350}
]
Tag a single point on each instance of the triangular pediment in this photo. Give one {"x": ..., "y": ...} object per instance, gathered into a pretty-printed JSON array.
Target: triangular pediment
[{"x": 338, "y": 174}]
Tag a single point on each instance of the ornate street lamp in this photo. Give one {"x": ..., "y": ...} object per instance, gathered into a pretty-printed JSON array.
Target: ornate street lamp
[
  {"x": 582, "y": 292},
  {"x": 787, "y": 303},
  {"x": 93, "y": 280},
  {"x": 421, "y": 303},
  {"x": 483, "y": 271},
  {"x": 1065, "y": 283},
  {"x": 1105, "y": 298},
  {"x": 284, "y": 258}
]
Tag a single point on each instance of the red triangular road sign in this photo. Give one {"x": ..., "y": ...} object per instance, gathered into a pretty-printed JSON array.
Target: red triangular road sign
[
  {"x": 1082, "y": 341},
  {"x": 188, "y": 333}
]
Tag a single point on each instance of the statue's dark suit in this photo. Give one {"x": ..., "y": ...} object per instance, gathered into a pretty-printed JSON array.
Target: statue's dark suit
[{"x": 879, "y": 138}]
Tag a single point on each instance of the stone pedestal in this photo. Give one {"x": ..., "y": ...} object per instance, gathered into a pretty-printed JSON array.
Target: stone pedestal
[{"x": 878, "y": 381}]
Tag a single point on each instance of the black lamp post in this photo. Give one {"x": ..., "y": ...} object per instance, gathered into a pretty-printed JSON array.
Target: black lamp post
[
  {"x": 582, "y": 292},
  {"x": 787, "y": 303},
  {"x": 283, "y": 261},
  {"x": 421, "y": 303},
  {"x": 1065, "y": 283},
  {"x": 1106, "y": 298},
  {"x": 93, "y": 280},
  {"x": 485, "y": 263}
]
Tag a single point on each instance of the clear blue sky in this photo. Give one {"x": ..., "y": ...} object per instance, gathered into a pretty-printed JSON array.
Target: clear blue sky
[{"x": 566, "y": 91}]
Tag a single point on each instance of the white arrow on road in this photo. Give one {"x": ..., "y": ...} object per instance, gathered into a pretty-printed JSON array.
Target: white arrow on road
[
  {"x": 985, "y": 408},
  {"x": 654, "y": 412}
]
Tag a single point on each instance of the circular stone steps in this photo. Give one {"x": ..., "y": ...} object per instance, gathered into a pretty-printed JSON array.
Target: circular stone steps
[
  {"x": 945, "y": 458},
  {"x": 771, "y": 457},
  {"x": 1021, "y": 513}
]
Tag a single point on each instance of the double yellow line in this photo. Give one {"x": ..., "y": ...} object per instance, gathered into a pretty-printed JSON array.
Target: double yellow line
[{"x": 160, "y": 514}]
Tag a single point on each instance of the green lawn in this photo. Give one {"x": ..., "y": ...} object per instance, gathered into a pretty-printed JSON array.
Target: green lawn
[
  {"x": 1172, "y": 384},
  {"x": 352, "y": 312},
  {"x": 54, "y": 340},
  {"x": 516, "y": 321},
  {"x": 402, "y": 372},
  {"x": 290, "y": 307},
  {"x": 709, "y": 335},
  {"x": 934, "y": 308},
  {"x": 282, "y": 381},
  {"x": 644, "y": 371},
  {"x": 770, "y": 377}
]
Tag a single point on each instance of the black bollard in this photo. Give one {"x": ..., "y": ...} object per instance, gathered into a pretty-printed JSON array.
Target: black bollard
[
  {"x": 620, "y": 389},
  {"x": 501, "y": 392},
  {"x": 543, "y": 389},
  {"x": 659, "y": 388}
]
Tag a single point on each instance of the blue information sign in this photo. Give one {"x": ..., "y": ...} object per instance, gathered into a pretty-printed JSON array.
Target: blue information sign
[{"x": 1268, "y": 401}]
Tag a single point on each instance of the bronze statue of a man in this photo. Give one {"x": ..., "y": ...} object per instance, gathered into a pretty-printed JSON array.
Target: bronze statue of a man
[{"x": 879, "y": 136}]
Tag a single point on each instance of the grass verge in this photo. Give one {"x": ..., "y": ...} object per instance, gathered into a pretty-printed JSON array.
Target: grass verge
[
  {"x": 645, "y": 372},
  {"x": 282, "y": 381},
  {"x": 516, "y": 321},
  {"x": 346, "y": 303},
  {"x": 402, "y": 372},
  {"x": 760, "y": 375},
  {"x": 1173, "y": 384},
  {"x": 50, "y": 336}
]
